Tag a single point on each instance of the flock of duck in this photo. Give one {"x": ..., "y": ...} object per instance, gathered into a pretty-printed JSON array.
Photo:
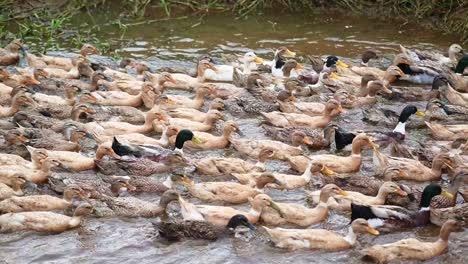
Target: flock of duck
[{"x": 82, "y": 139}]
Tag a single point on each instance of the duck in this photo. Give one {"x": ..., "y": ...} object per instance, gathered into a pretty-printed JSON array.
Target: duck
[
  {"x": 205, "y": 126},
  {"x": 141, "y": 166},
  {"x": 140, "y": 68},
  {"x": 197, "y": 229},
  {"x": 461, "y": 66},
  {"x": 280, "y": 119},
  {"x": 35, "y": 175},
  {"x": 52, "y": 143},
  {"x": 142, "y": 184},
  {"x": 44, "y": 221},
  {"x": 73, "y": 73},
  {"x": 411, "y": 248},
  {"x": 335, "y": 163},
  {"x": 441, "y": 132},
  {"x": 224, "y": 73},
  {"x": 196, "y": 103},
  {"x": 287, "y": 181},
  {"x": 290, "y": 68},
  {"x": 19, "y": 100},
  {"x": 343, "y": 203},
  {"x": 78, "y": 162},
  {"x": 7, "y": 191},
  {"x": 254, "y": 99},
  {"x": 418, "y": 55},
  {"x": 410, "y": 169},
  {"x": 220, "y": 215},
  {"x": 114, "y": 98},
  {"x": 294, "y": 239},
  {"x": 194, "y": 114},
  {"x": 129, "y": 206},
  {"x": 390, "y": 217},
  {"x": 229, "y": 192},
  {"x": 210, "y": 141},
  {"x": 370, "y": 97},
  {"x": 15, "y": 80},
  {"x": 37, "y": 157},
  {"x": 252, "y": 148},
  {"x": 413, "y": 73},
  {"x": 452, "y": 95},
  {"x": 320, "y": 138},
  {"x": 438, "y": 110},
  {"x": 279, "y": 60},
  {"x": 9, "y": 55},
  {"x": 300, "y": 215},
  {"x": 41, "y": 202},
  {"x": 112, "y": 128},
  {"x": 212, "y": 166},
  {"x": 60, "y": 63},
  {"x": 137, "y": 138},
  {"x": 187, "y": 82},
  {"x": 386, "y": 117},
  {"x": 45, "y": 99}
]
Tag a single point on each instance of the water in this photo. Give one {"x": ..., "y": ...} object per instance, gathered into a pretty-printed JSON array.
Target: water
[{"x": 179, "y": 43}]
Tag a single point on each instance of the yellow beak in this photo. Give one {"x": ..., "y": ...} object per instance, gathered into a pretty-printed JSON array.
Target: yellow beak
[
  {"x": 186, "y": 180},
  {"x": 342, "y": 64},
  {"x": 308, "y": 141},
  {"x": 197, "y": 140},
  {"x": 299, "y": 67},
  {"x": 420, "y": 113},
  {"x": 372, "y": 231},
  {"x": 258, "y": 60},
  {"x": 290, "y": 53},
  {"x": 325, "y": 170},
  {"x": 341, "y": 192},
  {"x": 334, "y": 76},
  {"x": 445, "y": 193},
  {"x": 401, "y": 192}
]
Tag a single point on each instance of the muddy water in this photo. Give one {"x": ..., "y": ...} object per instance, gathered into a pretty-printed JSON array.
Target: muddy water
[{"x": 179, "y": 43}]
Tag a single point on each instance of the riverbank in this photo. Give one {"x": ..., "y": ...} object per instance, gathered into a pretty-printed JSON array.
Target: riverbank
[{"x": 51, "y": 21}]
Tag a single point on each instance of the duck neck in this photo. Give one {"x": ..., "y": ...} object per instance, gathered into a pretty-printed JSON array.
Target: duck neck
[
  {"x": 201, "y": 74},
  {"x": 168, "y": 182},
  {"x": 75, "y": 221},
  {"x": 452, "y": 56},
  {"x": 100, "y": 153},
  {"x": 71, "y": 99},
  {"x": 437, "y": 166},
  {"x": 68, "y": 195},
  {"x": 75, "y": 114},
  {"x": 382, "y": 195},
  {"x": 400, "y": 128},
  {"x": 307, "y": 175},
  {"x": 164, "y": 140},
  {"x": 94, "y": 84},
  {"x": 247, "y": 66},
  {"x": 444, "y": 234},
  {"x": 351, "y": 236},
  {"x": 227, "y": 132},
  {"x": 356, "y": 147}
]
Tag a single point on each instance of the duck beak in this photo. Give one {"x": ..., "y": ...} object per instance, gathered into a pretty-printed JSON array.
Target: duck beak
[
  {"x": 290, "y": 53},
  {"x": 162, "y": 118},
  {"x": 307, "y": 141},
  {"x": 186, "y": 180},
  {"x": 197, "y": 140},
  {"x": 445, "y": 193},
  {"x": 420, "y": 113},
  {"x": 130, "y": 187},
  {"x": 340, "y": 109},
  {"x": 22, "y": 139},
  {"x": 373, "y": 145},
  {"x": 401, "y": 192},
  {"x": 132, "y": 64},
  {"x": 299, "y": 67},
  {"x": 249, "y": 225},
  {"x": 334, "y": 76},
  {"x": 341, "y": 192},
  {"x": 325, "y": 170},
  {"x": 239, "y": 132},
  {"x": 386, "y": 90},
  {"x": 372, "y": 231},
  {"x": 169, "y": 102},
  {"x": 34, "y": 81},
  {"x": 449, "y": 165},
  {"x": 342, "y": 64},
  {"x": 258, "y": 60}
]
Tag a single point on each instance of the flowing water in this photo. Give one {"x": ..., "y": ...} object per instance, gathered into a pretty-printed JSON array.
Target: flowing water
[{"x": 179, "y": 43}]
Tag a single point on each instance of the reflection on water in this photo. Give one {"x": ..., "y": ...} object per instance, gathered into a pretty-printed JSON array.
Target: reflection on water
[{"x": 179, "y": 43}]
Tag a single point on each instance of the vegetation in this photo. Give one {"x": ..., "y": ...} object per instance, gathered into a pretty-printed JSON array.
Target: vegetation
[{"x": 48, "y": 20}]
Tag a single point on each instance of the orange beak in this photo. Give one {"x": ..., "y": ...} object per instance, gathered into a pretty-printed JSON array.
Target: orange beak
[
  {"x": 401, "y": 192},
  {"x": 308, "y": 141},
  {"x": 299, "y": 67},
  {"x": 22, "y": 139},
  {"x": 34, "y": 81},
  {"x": 340, "y": 109}
]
